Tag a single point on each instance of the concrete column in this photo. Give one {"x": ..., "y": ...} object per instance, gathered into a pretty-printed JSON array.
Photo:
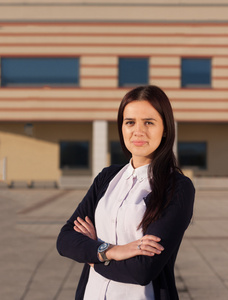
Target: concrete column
[
  {"x": 100, "y": 146},
  {"x": 176, "y": 140}
]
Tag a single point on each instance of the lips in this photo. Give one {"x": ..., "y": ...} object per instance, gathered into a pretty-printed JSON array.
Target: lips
[{"x": 138, "y": 143}]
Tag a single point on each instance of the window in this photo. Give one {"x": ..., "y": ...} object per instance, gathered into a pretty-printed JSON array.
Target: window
[
  {"x": 117, "y": 155},
  {"x": 133, "y": 71},
  {"x": 196, "y": 72},
  {"x": 192, "y": 154},
  {"x": 39, "y": 71},
  {"x": 74, "y": 155}
]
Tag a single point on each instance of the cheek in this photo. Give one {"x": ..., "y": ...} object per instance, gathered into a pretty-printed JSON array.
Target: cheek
[
  {"x": 125, "y": 139},
  {"x": 160, "y": 132},
  {"x": 124, "y": 132},
  {"x": 156, "y": 137},
  {"x": 126, "y": 136},
  {"x": 159, "y": 137}
]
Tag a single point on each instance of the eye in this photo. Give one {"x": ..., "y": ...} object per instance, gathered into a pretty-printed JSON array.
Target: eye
[
  {"x": 149, "y": 123},
  {"x": 129, "y": 123}
]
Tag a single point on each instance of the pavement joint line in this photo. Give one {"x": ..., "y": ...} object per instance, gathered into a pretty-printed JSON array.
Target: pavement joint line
[
  {"x": 44, "y": 202},
  {"x": 38, "y": 222},
  {"x": 41, "y": 218},
  {"x": 206, "y": 237},
  {"x": 185, "y": 289},
  {"x": 48, "y": 237},
  {"x": 38, "y": 265},
  {"x": 68, "y": 272},
  {"x": 212, "y": 218},
  {"x": 209, "y": 265}
]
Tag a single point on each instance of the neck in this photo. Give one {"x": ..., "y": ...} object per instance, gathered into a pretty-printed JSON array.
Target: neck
[{"x": 139, "y": 162}]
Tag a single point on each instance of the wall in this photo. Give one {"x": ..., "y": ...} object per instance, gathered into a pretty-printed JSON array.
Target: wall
[
  {"x": 37, "y": 157},
  {"x": 217, "y": 143}
]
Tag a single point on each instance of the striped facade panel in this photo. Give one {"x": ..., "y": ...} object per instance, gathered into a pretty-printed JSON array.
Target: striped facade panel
[
  {"x": 98, "y": 46},
  {"x": 124, "y": 11},
  {"x": 101, "y": 74}
]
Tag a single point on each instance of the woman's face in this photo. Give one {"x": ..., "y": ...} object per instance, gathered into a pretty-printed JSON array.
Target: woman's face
[{"x": 142, "y": 131}]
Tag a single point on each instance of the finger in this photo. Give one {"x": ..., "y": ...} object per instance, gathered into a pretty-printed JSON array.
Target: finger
[
  {"x": 151, "y": 237},
  {"x": 84, "y": 224},
  {"x": 91, "y": 265},
  {"x": 147, "y": 240},
  {"x": 90, "y": 224},
  {"x": 89, "y": 221},
  {"x": 152, "y": 249},
  {"x": 145, "y": 249},
  {"x": 77, "y": 229},
  {"x": 80, "y": 231},
  {"x": 154, "y": 245},
  {"x": 150, "y": 245},
  {"x": 82, "y": 228},
  {"x": 147, "y": 253}
]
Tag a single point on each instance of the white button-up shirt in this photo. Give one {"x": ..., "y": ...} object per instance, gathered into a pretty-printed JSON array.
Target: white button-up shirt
[{"x": 117, "y": 216}]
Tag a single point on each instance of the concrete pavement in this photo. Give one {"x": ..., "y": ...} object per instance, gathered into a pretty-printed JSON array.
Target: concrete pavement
[{"x": 31, "y": 268}]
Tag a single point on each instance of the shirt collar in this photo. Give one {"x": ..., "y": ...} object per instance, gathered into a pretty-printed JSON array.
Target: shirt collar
[{"x": 140, "y": 172}]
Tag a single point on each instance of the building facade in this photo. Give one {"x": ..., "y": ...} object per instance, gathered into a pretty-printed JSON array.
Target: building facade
[{"x": 65, "y": 67}]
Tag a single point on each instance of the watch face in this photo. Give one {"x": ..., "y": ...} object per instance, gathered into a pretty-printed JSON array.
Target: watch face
[{"x": 103, "y": 247}]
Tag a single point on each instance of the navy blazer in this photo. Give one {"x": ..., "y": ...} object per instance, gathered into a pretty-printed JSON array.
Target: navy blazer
[{"x": 140, "y": 269}]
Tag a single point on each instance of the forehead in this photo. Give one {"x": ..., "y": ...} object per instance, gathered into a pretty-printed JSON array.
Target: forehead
[{"x": 137, "y": 108}]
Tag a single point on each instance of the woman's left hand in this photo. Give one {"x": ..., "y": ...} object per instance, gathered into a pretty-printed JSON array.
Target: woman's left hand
[
  {"x": 148, "y": 245},
  {"x": 85, "y": 227}
]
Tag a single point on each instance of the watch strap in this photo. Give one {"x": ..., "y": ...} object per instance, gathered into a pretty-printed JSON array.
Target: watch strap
[{"x": 103, "y": 255}]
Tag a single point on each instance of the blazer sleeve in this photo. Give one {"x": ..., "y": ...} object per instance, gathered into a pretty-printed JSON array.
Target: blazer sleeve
[
  {"x": 170, "y": 228},
  {"x": 75, "y": 245}
]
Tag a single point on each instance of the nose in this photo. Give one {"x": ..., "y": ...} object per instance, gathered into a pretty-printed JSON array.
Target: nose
[{"x": 139, "y": 129}]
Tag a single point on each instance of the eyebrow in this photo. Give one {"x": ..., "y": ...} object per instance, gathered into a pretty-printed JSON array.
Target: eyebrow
[{"x": 144, "y": 119}]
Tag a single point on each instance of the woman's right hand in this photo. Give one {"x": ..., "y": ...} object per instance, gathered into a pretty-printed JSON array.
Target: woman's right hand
[
  {"x": 148, "y": 245},
  {"x": 85, "y": 227}
]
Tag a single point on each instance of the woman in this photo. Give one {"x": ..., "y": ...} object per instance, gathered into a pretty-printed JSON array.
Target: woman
[{"x": 129, "y": 226}]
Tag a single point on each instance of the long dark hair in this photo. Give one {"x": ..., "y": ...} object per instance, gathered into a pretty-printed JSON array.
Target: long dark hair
[{"x": 163, "y": 161}]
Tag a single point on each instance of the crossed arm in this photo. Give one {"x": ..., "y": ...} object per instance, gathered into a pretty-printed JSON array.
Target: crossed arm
[{"x": 148, "y": 245}]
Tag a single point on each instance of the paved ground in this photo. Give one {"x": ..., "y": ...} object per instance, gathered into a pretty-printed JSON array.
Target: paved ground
[{"x": 31, "y": 268}]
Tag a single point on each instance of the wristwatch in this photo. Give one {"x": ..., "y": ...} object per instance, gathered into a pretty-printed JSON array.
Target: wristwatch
[{"x": 102, "y": 250}]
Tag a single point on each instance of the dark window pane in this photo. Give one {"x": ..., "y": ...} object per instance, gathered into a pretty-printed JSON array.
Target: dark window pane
[
  {"x": 133, "y": 71},
  {"x": 196, "y": 72},
  {"x": 117, "y": 156},
  {"x": 39, "y": 71},
  {"x": 192, "y": 154},
  {"x": 74, "y": 155}
]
